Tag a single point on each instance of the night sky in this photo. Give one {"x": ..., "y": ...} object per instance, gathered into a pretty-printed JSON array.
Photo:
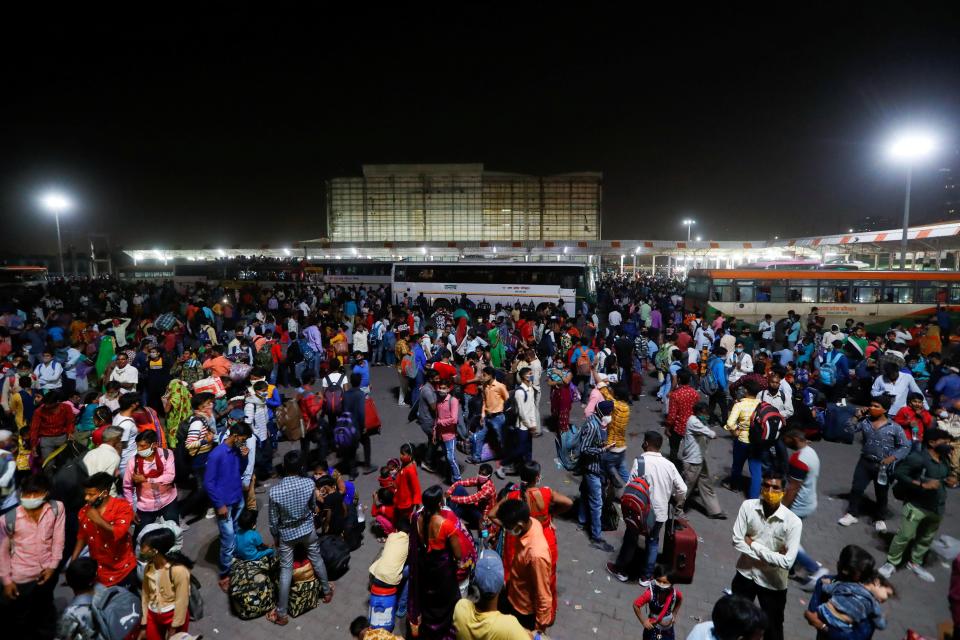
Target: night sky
[{"x": 219, "y": 128}]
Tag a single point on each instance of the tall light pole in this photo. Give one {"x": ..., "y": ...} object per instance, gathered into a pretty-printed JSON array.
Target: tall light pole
[
  {"x": 56, "y": 203},
  {"x": 688, "y": 223},
  {"x": 909, "y": 148}
]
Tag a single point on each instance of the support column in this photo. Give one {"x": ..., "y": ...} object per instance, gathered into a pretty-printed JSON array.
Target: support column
[{"x": 653, "y": 265}]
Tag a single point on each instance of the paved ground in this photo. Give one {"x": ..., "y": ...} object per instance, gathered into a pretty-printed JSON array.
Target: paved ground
[{"x": 591, "y": 604}]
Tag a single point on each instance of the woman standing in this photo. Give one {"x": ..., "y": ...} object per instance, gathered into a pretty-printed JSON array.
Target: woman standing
[
  {"x": 434, "y": 554},
  {"x": 176, "y": 405},
  {"x": 544, "y": 503},
  {"x": 166, "y": 586},
  {"x": 559, "y": 378}
]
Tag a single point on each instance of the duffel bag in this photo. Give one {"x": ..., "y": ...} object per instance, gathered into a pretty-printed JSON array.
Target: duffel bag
[{"x": 252, "y": 588}]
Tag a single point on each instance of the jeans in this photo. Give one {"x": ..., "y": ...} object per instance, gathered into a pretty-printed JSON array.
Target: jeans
[
  {"x": 628, "y": 549},
  {"x": 863, "y": 474},
  {"x": 312, "y": 544},
  {"x": 228, "y": 536},
  {"x": 403, "y": 593},
  {"x": 471, "y": 514},
  {"x": 918, "y": 526},
  {"x": 496, "y": 421},
  {"x": 591, "y": 497},
  {"x": 477, "y": 441},
  {"x": 378, "y": 352},
  {"x": 740, "y": 450},
  {"x": 263, "y": 462},
  {"x": 614, "y": 467},
  {"x": 450, "y": 447},
  {"x": 809, "y": 565}
]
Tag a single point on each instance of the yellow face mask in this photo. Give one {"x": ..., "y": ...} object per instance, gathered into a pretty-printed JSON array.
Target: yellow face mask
[{"x": 772, "y": 497}]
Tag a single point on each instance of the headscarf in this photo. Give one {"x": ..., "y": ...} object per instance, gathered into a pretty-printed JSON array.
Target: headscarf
[
  {"x": 179, "y": 396},
  {"x": 105, "y": 354},
  {"x": 497, "y": 352}
]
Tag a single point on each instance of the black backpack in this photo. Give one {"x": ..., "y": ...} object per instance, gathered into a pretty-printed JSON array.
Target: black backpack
[
  {"x": 336, "y": 555},
  {"x": 766, "y": 427}
]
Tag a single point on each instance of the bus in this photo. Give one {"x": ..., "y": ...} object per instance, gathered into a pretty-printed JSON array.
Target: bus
[
  {"x": 876, "y": 298},
  {"x": 782, "y": 265},
  {"x": 266, "y": 273},
  {"x": 494, "y": 282},
  {"x": 23, "y": 276}
]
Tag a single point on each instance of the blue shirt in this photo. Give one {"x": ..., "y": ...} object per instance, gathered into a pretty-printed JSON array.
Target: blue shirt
[
  {"x": 364, "y": 371},
  {"x": 949, "y": 386},
  {"x": 224, "y": 476},
  {"x": 248, "y": 543},
  {"x": 55, "y": 333}
]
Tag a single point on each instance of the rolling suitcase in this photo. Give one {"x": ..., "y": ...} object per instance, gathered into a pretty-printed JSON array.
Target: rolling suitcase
[{"x": 680, "y": 549}]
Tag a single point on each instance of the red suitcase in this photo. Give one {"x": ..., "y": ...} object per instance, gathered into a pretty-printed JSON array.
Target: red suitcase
[
  {"x": 680, "y": 549},
  {"x": 371, "y": 417},
  {"x": 636, "y": 384}
]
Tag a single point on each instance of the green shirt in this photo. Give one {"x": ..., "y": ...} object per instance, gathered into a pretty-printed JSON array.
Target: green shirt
[{"x": 922, "y": 467}]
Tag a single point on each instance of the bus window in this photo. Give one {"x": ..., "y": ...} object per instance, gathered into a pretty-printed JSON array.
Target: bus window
[
  {"x": 722, "y": 290},
  {"x": 834, "y": 291},
  {"x": 771, "y": 291},
  {"x": 744, "y": 291},
  {"x": 933, "y": 292},
  {"x": 955, "y": 293},
  {"x": 802, "y": 291},
  {"x": 898, "y": 293},
  {"x": 866, "y": 292}
]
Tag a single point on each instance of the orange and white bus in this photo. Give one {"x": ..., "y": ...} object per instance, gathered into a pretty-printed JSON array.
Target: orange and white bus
[{"x": 874, "y": 297}]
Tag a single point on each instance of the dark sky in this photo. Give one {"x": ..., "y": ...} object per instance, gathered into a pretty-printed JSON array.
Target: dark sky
[{"x": 219, "y": 128}]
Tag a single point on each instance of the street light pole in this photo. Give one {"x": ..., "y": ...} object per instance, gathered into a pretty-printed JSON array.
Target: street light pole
[
  {"x": 56, "y": 216},
  {"x": 906, "y": 220}
]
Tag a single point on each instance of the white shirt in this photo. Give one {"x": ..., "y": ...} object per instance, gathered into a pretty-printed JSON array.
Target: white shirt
[
  {"x": 899, "y": 390},
  {"x": 614, "y": 318},
  {"x": 665, "y": 482},
  {"x": 129, "y": 438},
  {"x": 762, "y": 562},
  {"x": 741, "y": 364},
  {"x": 360, "y": 340},
  {"x": 527, "y": 413},
  {"x": 334, "y": 379},
  {"x": 778, "y": 400},
  {"x": 766, "y": 332},
  {"x": 103, "y": 459},
  {"x": 125, "y": 375},
  {"x": 702, "y": 631},
  {"x": 48, "y": 375},
  {"x": 902, "y": 337},
  {"x": 829, "y": 337}
]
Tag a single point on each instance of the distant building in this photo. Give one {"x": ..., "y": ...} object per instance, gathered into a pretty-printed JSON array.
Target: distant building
[
  {"x": 872, "y": 223},
  {"x": 461, "y": 202}
]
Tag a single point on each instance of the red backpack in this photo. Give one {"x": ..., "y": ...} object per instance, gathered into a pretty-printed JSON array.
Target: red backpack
[
  {"x": 635, "y": 502},
  {"x": 766, "y": 427}
]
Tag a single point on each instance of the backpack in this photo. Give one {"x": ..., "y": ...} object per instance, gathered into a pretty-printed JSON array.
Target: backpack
[
  {"x": 116, "y": 613},
  {"x": 336, "y": 555},
  {"x": 311, "y": 404},
  {"x": 635, "y": 501},
  {"x": 828, "y": 370},
  {"x": 708, "y": 383},
  {"x": 165, "y": 322},
  {"x": 409, "y": 366},
  {"x": 609, "y": 517},
  {"x": 195, "y": 599},
  {"x": 766, "y": 427},
  {"x": 583, "y": 363},
  {"x": 568, "y": 447},
  {"x": 344, "y": 433},
  {"x": 67, "y": 474},
  {"x": 290, "y": 420},
  {"x": 263, "y": 358},
  {"x": 333, "y": 396}
]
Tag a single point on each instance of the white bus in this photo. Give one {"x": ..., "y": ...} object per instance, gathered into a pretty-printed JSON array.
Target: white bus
[{"x": 494, "y": 282}]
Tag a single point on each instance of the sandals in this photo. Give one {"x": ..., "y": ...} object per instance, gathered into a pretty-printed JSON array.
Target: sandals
[
  {"x": 277, "y": 619},
  {"x": 224, "y": 583},
  {"x": 328, "y": 596}
]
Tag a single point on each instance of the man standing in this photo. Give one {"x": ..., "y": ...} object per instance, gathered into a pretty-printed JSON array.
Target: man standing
[
  {"x": 290, "y": 511},
  {"x": 126, "y": 374},
  {"x": 495, "y": 396},
  {"x": 224, "y": 484},
  {"x": 921, "y": 482},
  {"x": 49, "y": 373},
  {"x": 482, "y": 621},
  {"x": 681, "y": 403},
  {"x": 767, "y": 535},
  {"x": 105, "y": 524},
  {"x": 803, "y": 469},
  {"x": 665, "y": 485},
  {"x": 427, "y": 417},
  {"x": 591, "y": 483},
  {"x": 148, "y": 482},
  {"x": 30, "y": 552},
  {"x": 529, "y": 597},
  {"x": 51, "y": 424}
]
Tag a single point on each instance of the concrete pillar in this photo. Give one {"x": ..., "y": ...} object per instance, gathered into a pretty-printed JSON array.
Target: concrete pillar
[
  {"x": 876, "y": 261},
  {"x": 653, "y": 265}
]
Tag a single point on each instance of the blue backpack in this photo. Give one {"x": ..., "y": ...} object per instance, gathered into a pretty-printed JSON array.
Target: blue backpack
[
  {"x": 828, "y": 370},
  {"x": 344, "y": 434},
  {"x": 568, "y": 447}
]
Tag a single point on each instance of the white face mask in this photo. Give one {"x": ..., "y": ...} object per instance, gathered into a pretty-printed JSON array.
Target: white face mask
[
  {"x": 32, "y": 503},
  {"x": 145, "y": 453},
  {"x": 605, "y": 420}
]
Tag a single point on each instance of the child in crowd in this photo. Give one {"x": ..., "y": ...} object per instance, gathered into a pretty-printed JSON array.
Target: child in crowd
[
  {"x": 77, "y": 622},
  {"x": 851, "y": 603},
  {"x": 663, "y": 602},
  {"x": 383, "y": 506},
  {"x": 250, "y": 545},
  {"x": 407, "y": 496},
  {"x": 914, "y": 419},
  {"x": 166, "y": 586}
]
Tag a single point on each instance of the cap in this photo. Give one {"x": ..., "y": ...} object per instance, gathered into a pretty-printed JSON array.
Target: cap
[{"x": 488, "y": 575}]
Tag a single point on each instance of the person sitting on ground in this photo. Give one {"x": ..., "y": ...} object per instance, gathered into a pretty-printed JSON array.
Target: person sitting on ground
[{"x": 250, "y": 545}]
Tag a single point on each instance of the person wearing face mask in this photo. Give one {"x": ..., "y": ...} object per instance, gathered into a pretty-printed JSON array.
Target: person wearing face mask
[
  {"x": 157, "y": 377},
  {"x": 165, "y": 599},
  {"x": 767, "y": 535},
  {"x": 105, "y": 524},
  {"x": 883, "y": 444},
  {"x": 591, "y": 493},
  {"x": 30, "y": 550},
  {"x": 529, "y": 597},
  {"x": 922, "y": 479},
  {"x": 740, "y": 363},
  {"x": 255, "y": 413},
  {"x": 223, "y": 481},
  {"x": 106, "y": 457},
  {"x": 148, "y": 482}
]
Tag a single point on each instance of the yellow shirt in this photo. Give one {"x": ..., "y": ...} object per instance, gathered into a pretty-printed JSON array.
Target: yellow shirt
[
  {"x": 485, "y": 625},
  {"x": 739, "y": 420}
]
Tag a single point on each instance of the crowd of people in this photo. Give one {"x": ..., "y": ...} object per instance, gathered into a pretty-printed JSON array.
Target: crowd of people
[{"x": 132, "y": 411}]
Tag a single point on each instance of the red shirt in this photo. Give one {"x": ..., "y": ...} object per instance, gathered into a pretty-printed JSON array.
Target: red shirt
[
  {"x": 50, "y": 422},
  {"x": 113, "y": 550},
  {"x": 682, "y": 400},
  {"x": 467, "y": 373},
  {"x": 408, "y": 488},
  {"x": 683, "y": 340},
  {"x": 908, "y": 418},
  {"x": 446, "y": 371}
]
